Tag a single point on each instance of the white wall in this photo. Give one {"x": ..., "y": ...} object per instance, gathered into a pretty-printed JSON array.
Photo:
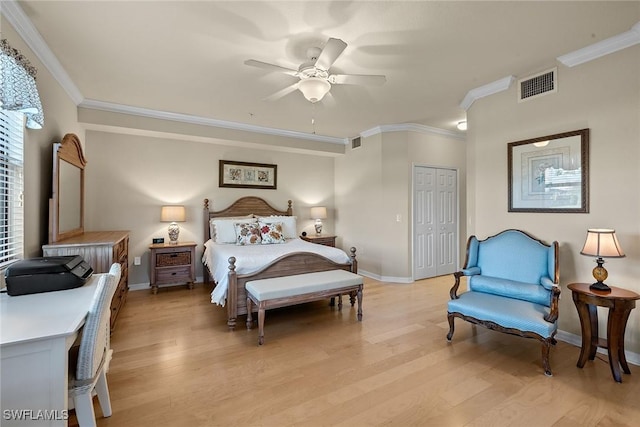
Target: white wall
[
  {"x": 604, "y": 96},
  {"x": 129, "y": 177},
  {"x": 373, "y": 187},
  {"x": 60, "y": 118}
]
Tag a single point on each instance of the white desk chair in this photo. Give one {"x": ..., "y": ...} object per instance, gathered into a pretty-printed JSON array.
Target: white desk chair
[{"x": 94, "y": 347}]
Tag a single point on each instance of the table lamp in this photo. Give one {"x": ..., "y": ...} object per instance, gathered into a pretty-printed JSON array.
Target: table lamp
[
  {"x": 173, "y": 214},
  {"x": 601, "y": 243},
  {"x": 318, "y": 213}
]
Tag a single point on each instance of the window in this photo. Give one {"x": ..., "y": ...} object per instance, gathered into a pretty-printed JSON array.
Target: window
[{"x": 11, "y": 186}]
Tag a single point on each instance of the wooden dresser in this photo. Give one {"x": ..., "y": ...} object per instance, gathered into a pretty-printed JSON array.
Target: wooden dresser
[{"x": 100, "y": 249}]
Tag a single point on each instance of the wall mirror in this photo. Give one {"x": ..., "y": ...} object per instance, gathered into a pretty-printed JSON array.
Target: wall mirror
[
  {"x": 66, "y": 206},
  {"x": 550, "y": 173}
]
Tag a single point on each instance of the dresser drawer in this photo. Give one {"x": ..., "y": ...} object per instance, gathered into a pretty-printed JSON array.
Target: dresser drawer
[
  {"x": 176, "y": 274},
  {"x": 171, "y": 259}
]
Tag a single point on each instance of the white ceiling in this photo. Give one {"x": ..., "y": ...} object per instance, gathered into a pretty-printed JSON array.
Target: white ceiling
[{"x": 188, "y": 57}]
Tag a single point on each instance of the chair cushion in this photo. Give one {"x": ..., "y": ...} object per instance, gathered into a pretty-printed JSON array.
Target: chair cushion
[
  {"x": 506, "y": 312},
  {"x": 513, "y": 255},
  {"x": 511, "y": 289},
  {"x": 300, "y": 284}
]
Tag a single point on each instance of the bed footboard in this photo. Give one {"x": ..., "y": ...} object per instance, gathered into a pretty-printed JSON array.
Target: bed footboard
[{"x": 288, "y": 265}]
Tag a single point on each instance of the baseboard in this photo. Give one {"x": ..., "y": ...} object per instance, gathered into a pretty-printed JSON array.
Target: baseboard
[
  {"x": 389, "y": 279},
  {"x": 632, "y": 358}
]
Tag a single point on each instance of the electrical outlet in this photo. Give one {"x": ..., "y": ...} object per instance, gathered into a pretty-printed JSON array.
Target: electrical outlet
[
  {"x": 398, "y": 218},
  {"x": 136, "y": 260}
]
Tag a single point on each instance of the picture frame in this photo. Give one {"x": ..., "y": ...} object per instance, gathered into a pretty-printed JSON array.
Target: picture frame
[
  {"x": 549, "y": 173},
  {"x": 248, "y": 175}
]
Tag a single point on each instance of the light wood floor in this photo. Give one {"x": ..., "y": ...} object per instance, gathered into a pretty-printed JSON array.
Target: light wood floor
[{"x": 176, "y": 364}]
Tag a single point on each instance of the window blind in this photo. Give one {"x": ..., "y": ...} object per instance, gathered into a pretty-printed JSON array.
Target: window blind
[{"x": 11, "y": 187}]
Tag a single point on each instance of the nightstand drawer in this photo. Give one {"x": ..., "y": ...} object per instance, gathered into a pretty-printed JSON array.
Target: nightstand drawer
[
  {"x": 171, "y": 259},
  {"x": 171, "y": 275}
]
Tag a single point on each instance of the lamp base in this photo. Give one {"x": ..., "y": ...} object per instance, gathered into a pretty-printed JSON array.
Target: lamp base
[
  {"x": 174, "y": 232},
  {"x": 318, "y": 226},
  {"x": 600, "y": 274},
  {"x": 599, "y": 286}
]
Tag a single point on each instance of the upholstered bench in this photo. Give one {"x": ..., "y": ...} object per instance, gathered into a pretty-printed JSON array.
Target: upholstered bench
[
  {"x": 300, "y": 288},
  {"x": 513, "y": 288}
]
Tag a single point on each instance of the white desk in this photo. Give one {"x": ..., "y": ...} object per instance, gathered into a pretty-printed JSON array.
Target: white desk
[{"x": 36, "y": 333}]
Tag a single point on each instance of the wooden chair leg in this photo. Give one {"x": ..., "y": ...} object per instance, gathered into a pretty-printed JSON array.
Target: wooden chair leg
[
  {"x": 102, "y": 390},
  {"x": 84, "y": 409},
  {"x": 546, "y": 346},
  {"x": 451, "y": 328}
]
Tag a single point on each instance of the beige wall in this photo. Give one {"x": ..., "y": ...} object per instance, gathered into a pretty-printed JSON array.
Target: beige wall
[
  {"x": 604, "y": 96},
  {"x": 60, "y": 118},
  {"x": 373, "y": 187},
  {"x": 130, "y": 177}
]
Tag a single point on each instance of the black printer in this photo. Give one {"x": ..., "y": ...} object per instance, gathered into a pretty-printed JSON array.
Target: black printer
[{"x": 56, "y": 273}]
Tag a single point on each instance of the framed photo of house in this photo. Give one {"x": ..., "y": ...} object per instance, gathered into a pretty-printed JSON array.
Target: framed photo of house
[
  {"x": 248, "y": 175},
  {"x": 550, "y": 173}
]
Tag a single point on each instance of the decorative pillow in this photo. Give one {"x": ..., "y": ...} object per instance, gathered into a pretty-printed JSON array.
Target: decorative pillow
[
  {"x": 247, "y": 233},
  {"x": 288, "y": 224},
  {"x": 221, "y": 229},
  {"x": 271, "y": 233}
]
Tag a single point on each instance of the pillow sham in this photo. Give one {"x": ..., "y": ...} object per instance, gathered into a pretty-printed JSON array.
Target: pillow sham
[
  {"x": 271, "y": 233},
  {"x": 247, "y": 233},
  {"x": 222, "y": 229},
  {"x": 289, "y": 228}
]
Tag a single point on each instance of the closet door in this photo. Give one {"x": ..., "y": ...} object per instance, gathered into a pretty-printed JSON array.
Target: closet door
[
  {"x": 435, "y": 226},
  {"x": 447, "y": 221},
  {"x": 424, "y": 222}
]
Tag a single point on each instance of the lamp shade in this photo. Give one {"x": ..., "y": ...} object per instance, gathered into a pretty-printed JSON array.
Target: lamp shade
[
  {"x": 602, "y": 243},
  {"x": 314, "y": 88},
  {"x": 173, "y": 214},
  {"x": 318, "y": 212}
]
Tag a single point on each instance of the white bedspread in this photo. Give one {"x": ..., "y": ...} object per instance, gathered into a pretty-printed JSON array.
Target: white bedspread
[{"x": 252, "y": 258}]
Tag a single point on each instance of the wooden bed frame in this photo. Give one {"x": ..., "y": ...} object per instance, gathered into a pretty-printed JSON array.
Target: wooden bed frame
[{"x": 288, "y": 265}]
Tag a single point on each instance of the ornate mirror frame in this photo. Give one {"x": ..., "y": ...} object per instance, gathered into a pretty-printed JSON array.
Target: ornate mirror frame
[
  {"x": 66, "y": 206},
  {"x": 550, "y": 173}
]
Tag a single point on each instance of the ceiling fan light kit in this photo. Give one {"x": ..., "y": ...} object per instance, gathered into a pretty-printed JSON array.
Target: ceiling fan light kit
[{"x": 314, "y": 88}]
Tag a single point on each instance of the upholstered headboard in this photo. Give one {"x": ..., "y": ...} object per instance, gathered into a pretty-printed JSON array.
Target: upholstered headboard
[{"x": 242, "y": 206}]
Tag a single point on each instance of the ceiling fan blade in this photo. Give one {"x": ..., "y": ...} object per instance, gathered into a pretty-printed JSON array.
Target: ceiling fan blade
[
  {"x": 270, "y": 67},
  {"x": 357, "y": 79},
  {"x": 330, "y": 53},
  {"x": 282, "y": 92}
]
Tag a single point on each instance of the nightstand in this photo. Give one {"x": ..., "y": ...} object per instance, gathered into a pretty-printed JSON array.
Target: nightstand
[
  {"x": 172, "y": 264},
  {"x": 321, "y": 239}
]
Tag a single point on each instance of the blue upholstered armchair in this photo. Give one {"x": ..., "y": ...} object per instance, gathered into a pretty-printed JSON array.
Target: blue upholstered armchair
[{"x": 512, "y": 288}]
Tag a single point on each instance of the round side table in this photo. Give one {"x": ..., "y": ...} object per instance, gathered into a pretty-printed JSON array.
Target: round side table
[{"x": 620, "y": 303}]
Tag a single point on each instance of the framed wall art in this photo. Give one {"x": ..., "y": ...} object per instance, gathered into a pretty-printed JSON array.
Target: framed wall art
[
  {"x": 550, "y": 173},
  {"x": 248, "y": 175}
]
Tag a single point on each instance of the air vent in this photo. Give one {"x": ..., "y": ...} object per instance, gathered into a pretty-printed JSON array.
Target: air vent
[
  {"x": 355, "y": 142},
  {"x": 538, "y": 85}
]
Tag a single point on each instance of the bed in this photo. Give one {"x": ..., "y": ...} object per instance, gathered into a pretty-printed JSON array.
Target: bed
[{"x": 228, "y": 266}]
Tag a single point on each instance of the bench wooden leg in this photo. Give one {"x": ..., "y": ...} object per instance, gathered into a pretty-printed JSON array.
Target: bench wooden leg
[
  {"x": 359, "y": 295},
  {"x": 340, "y": 302},
  {"x": 352, "y": 297},
  {"x": 249, "y": 314},
  {"x": 261, "y": 313}
]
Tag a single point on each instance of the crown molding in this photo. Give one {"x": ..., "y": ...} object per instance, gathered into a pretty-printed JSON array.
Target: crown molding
[
  {"x": 602, "y": 48},
  {"x": 25, "y": 28},
  {"x": 205, "y": 121},
  {"x": 411, "y": 127},
  {"x": 486, "y": 90}
]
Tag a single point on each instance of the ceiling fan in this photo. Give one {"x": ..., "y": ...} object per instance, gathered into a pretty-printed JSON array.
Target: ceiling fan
[{"x": 315, "y": 79}]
